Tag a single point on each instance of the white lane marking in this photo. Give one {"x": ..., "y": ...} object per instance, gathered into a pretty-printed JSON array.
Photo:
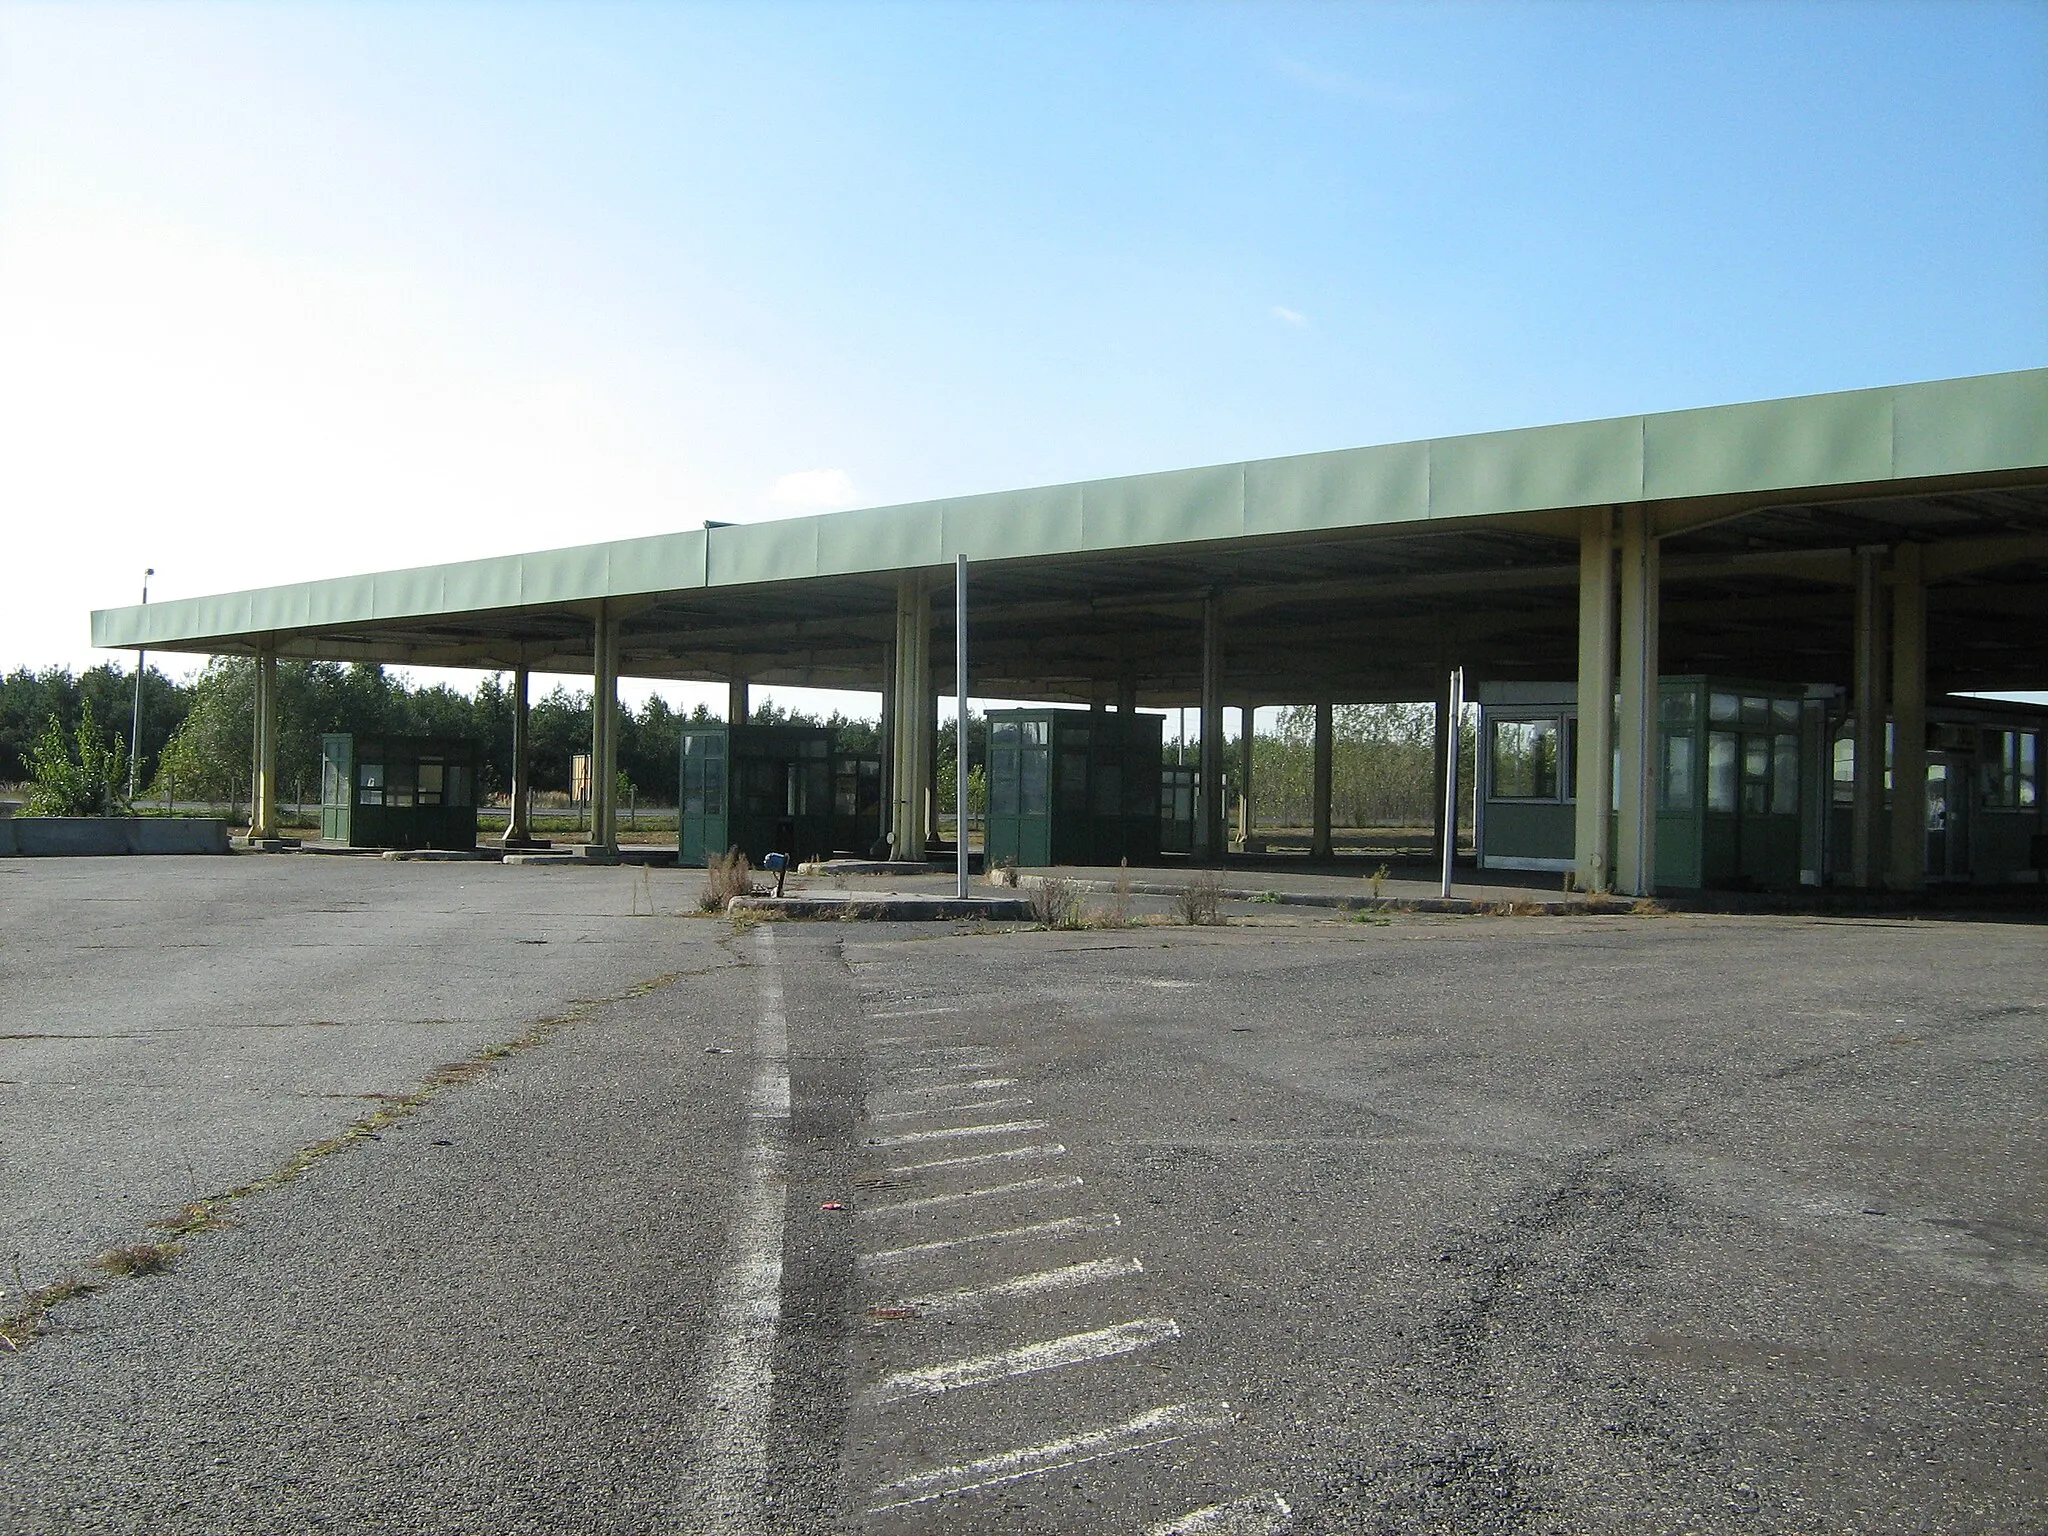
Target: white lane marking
[
  {"x": 1025, "y": 1360},
  {"x": 983, "y": 1159},
  {"x": 747, "y": 1305},
  {"x": 1157, "y": 1426},
  {"x": 1065, "y": 1278},
  {"x": 1263, "y": 1514},
  {"x": 985, "y": 1064},
  {"x": 955, "y": 1132},
  {"x": 932, "y": 1090},
  {"x": 1063, "y": 1227},
  {"x": 968, "y": 1106},
  {"x": 960, "y": 1197},
  {"x": 912, "y": 1013}
]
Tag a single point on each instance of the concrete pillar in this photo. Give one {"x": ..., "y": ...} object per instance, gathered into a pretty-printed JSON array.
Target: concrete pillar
[
  {"x": 736, "y": 700},
  {"x": 1248, "y": 732},
  {"x": 519, "y": 816},
  {"x": 1447, "y": 744},
  {"x": 1209, "y": 790},
  {"x": 910, "y": 780},
  {"x": 888, "y": 742},
  {"x": 1321, "y": 844},
  {"x": 1592, "y": 860},
  {"x": 604, "y": 715},
  {"x": 263, "y": 785},
  {"x": 1127, "y": 692},
  {"x": 1635, "y": 853},
  {"x": 1867, "y": 791},
  {"x": 1908, "y": 866}
]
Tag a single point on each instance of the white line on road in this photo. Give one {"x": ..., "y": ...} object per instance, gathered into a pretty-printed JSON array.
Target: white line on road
[
  {"x": 747, "y": 1307},
  {"x": 960, "y": 1197},
  {"x": 950, "y": 1109},
  {"x": 954, "y": 1132},
  {"x": 1065, "y": 1278},
  {"x": 912, "y": 1013},
  {"x": 932, "y": 1090},
  {"x": 985, "y": 1064},
  {"x": 1157, "y": 1426},
  {"x": 1263, "y": 1514},
  {"x": 983, "y": 1159},
  {"x": 1064, "y": 1227},
  {"x": 1025, "y": 1360}
]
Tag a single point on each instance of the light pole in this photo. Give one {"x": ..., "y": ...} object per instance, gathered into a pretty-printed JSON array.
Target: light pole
[{"x": 135, "y": 732}]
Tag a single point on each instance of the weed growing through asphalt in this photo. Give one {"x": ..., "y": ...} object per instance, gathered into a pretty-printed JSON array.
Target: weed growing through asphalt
[
  {"x": 1199, "y": 903},
  {"x": 1379, "y": 881},
  {"x": 24, "y": 1324},
  {"x": 726, "y": 875},
  {"x": 138, "y": 1259},
  {"x": 1057, "y": 902}
]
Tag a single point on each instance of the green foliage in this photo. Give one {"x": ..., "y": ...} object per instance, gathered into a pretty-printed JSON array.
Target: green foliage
[
  {"x": 79, "y": 776},
  {"x": 1382, "y": 766},
  {"x": 208, "y": 756}
]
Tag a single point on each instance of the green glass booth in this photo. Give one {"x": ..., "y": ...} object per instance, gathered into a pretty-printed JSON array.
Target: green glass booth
[
  {"x": 1070, "y": 786},
  {"x": 397, "y": 791},
  {"x": 1740, "y": 797},
  {"x": 774, "y": 789}
]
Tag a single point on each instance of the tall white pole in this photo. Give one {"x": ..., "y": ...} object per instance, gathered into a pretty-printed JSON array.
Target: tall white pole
[
  {"x": 1457, "y": 713},
  {"x": 960, "y": 721},
  {"x": 135, "y": 728}
]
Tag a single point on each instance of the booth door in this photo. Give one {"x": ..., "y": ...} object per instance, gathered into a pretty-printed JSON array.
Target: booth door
[
  {"x": 1948, "y": 810},
  {"x": 702, "y": 823}
]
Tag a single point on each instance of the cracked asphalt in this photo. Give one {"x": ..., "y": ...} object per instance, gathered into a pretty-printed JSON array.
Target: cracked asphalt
[{"x": 1687, "y": 1224}]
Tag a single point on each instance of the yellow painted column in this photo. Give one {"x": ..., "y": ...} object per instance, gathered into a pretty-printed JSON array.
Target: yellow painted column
[
  {"x": 1867, "y": 789},
  {"x": 1592, "y": 858},
  {"x": 1908, "y": 864},
  {"x": 1635, "y": 860},
  {"x": 263, "y": 791},
  {"x": 604, "y": 714},
  {"x": 519, "y": 817},
  {"x": 736, "y": 702},
  {"x": 911, "y": 771},
  {"x": 1209, "y": 789}
]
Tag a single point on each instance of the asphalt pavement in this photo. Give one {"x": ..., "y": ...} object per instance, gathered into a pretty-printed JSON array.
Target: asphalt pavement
[{"x": 1304, "y": 1223}]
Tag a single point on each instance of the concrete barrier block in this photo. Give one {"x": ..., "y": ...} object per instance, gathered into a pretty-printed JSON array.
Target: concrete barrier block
[{"x": 110, "y": 836}]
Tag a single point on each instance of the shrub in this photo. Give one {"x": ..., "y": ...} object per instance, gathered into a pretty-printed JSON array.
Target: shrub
[
  {"x": 77, "y": 778},
  {"x": 1199, "y": 902},
  {"x": 1058, "y": 903}
]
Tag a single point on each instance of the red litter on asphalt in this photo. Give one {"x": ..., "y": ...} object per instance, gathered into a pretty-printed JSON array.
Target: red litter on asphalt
[{"x": 831, "y": 1205}]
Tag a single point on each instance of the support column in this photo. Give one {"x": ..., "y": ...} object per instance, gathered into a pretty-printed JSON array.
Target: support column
[
  {"x": 736, "y": 703},
  {"x": 1321, "y": 844},
  {"x": 1209, "y": 789},
  {"x": 604, "y": 714},
  {"x": 1867, "y": 790},
  {"x": 1248, "y": 734},
  {"x": 1592, "y": 861},
  {"x": 1908, "y": 865},
  {"x": 1635, "y": 862},
  {"x": 263, "y": 788},
  {"x": 1127, "y": 692},
  {"x": 887, "y": 821},
  {"x": 519, "y": 815},
  {"x": 914, "y": 703}
]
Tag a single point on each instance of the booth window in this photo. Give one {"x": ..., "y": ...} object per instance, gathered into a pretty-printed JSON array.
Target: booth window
[
  {"x": 1785, "y": 775},
  {"x": 1675, "y": 773},
  {"x": 458, "y": 785},
  {"x": 370, "y": 785},
  {"x": 398, "y": 786},
  {"x": 1034, "y": 776},
  {"x": 1721, "y": 770},
  {"x": 433, "y": 779},
  {"x": 1525, "y": 760},
  {"x": 2011, "y": 770}
]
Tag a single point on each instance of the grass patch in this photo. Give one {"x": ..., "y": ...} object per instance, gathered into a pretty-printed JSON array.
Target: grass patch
[
  {"x": 22, "y": 1326},
  {"x": 1058, "y": 903},
  {"x": 1199, "y": 903},
  {"x": 726, "y": 875},
  {"x": 138, "y": 1259}
]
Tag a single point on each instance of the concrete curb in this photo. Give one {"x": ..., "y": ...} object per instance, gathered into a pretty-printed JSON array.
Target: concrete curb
[
  {"x": 885, "y": 907},
  {"x": 1599, "y": 906}
]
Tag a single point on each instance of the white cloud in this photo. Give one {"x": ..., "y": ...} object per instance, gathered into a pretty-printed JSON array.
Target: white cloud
[
  {"x": 1376, "y": 93},
  {"x": 814, "y": 490},
  {"x": 1290, "y": 316}
]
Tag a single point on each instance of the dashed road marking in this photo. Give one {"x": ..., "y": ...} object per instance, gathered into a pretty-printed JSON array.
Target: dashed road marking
[
  {"x": 932, "y": 1090},
  {"x": 967, "y": 1107},
  {"x": 986, "y": 1064},
  {"x": 983, "y": 1159},
  {"x": 1155, "y": 1427},
  {"x": 961, "y": 1197},
  {"x": 1066, "y": 1277},
  {"x": 913, "y": 1013},
  {"x": 1263, "y": 1514},
  {"x": 955, "y": 1132},
  {"x": 1025, "y": 1360},
  {"x": 1063, "y": 1227}
]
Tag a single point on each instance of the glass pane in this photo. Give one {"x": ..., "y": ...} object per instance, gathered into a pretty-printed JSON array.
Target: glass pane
[
  {"x": 714, "y": 794},
  {"x": 398, "y": 785},
  {"x": 433, "y": 777},
  {"x": 458, "y": 785},
  {"x": 1721, "y": 771},
  {"x": 370, "y": 784},
  {"x": 1785, "y": 776},
  {"x": 1005, "y": 731},
  {"x": 1845, "y": 769},
  {"x": 1002, "y": 779},
  {"x": 1756, "y": 711},
  {"x": 1032, "y": 796},
  {"x": 330, "y": 782},
  {"x": 1676, "y": 708},
  {"x": 1723, "y": 709},
  {"x": 1785, "y": 713},
  {"x": 1034, "y": 733},
  {"x": 2030, "y": 768},
  {"x": 1676, "y": 783},
  {"x": 1525, "y": 759},
  {"x": 1756, "y": 757},
  {"x": 1074, "y": 781}
]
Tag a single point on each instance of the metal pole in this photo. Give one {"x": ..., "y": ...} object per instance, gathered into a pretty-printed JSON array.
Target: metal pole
[
  {"x": 135, "y": 731},
  {"x": 960, "y": 721},
  {"x": 1457, "y": 713}
]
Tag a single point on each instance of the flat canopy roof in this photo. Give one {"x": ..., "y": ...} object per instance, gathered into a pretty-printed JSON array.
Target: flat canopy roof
[{"x": 1355, "y": 572}]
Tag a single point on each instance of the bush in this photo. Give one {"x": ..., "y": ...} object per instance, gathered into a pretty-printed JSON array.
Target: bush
[
  {"x": 1058, "y": 903},
  {"x": 726, "y": 875},
  {"x": 1199, "y": 902},
  {"x": 77, "y": 778}
]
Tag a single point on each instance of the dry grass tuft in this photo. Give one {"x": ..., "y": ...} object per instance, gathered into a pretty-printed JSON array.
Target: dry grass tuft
[
  {"x": 1199, "y": 903},
  {"x": 1058, "y": 903},
  {"x": 726, "y": 875},
  {"x": 138, "y": 1259}
]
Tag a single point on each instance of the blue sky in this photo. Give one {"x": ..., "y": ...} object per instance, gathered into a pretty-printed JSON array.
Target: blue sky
[{"x": 292, "y": 290}]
